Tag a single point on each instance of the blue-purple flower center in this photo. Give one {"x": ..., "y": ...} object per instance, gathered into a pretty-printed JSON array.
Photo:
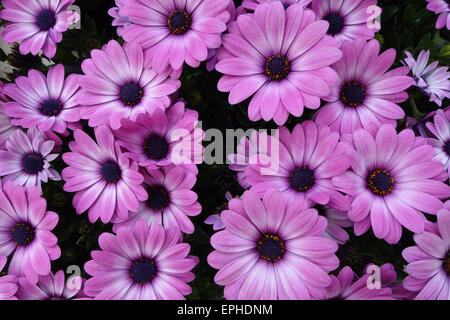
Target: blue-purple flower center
[
  {"x": 270, "y": 247},
  {"x": 447, "y": 148},
  {"x": 380, "y": 182},
  {"x": 336, "y": 23},
  {"x": 353, "y": 94},
  {"x": 156, "y": 147},
  {"x": 22, "y": 233},
  {"x": 446, "y": 263},
  {"x": 143, "y": 271},
  {"x": 277, "y": 67},
  {"x": 131, "y": 94},
  {"x": 46, "y": 20},
  {"x": 179, "y": 21},
  {"x": 33, "y": 163},
  {"x": 111, "y": 172},
  {"x": 301, "y": 179},
  {"x": 158, "y": 198},
  {"x": 51, "y": 107}
]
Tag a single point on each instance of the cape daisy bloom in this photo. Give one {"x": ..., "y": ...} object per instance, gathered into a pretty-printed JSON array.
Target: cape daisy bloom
[
  {"x": 170, "y": 200},
  {"x": 429, "y": 261},
  {"x": 8, "y": 283},
  {"x": 337, "y": 221},
  {"x": 348, "y": 19},
  {"x": 272, "y": 250},
  {"x": 365, "y": 93},
  {"x": 105, "y": 181},
  {"x": 119, "y": 21},
  {"x": 44, "y": 102},
  {"x": 26, "y": 160},
  {"x": 25, "y": 231},
  {"x": 434, "y": 81},
  {"x": 442, "y": 8},
  {"x": 175, "y": 32},
  {"x": 117, "y": 86},
  {"x": 48, "y": 287},
  {"x": 252, "y": 4},
  {"x": 163, "y": 138},
  {"x": 280, "y": 57},
  {"x": 348, "y": 286},
  {"x": 440, "y": 128},
  {"x": 140, "y": 264},
  {"x": 6, "y": 128},
  {"x": 39, "y": 24},
  {"x": 394, "y": 178},
  {"x": 307, "y": 160}
]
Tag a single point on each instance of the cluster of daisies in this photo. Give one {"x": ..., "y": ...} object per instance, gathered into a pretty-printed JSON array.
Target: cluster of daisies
[{"x": 347, "y": 168}]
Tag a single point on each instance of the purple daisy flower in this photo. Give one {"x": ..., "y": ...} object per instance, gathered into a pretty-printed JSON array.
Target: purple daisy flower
[
  {"x": 8, "y": 287},
  {"x": 337, "y": 221},
  {"x": 140, "y": 264},
  {"x": 215, "y": 219},
  {"x": 170, "y": 200},
  {"x": 348, "y": 286},
  {"x": 25, "y": 231},
  {"x": 163, "y": 138},
  {"x": 307, "y": 160},
  {"x": 117, "y": 86},
  {"x": 105, "y": 181},
  {"x": 6, "y": 128},
  {"x": 434, "y": 81},
  {"x": 440, "y": 128},
  {"x": 27, "y": 158},
  {"x": 175, "y": 32},
  {"x": 252, "y": 4},
  {"x": 365, "y": 93},
  {"x": 393, "y": 179},
  {"x": 119, "y": 21},
  {"x": 48, "y": 287},
  {"x": 429, "y": 261},
  {"x": 44, "y": 102},
  {"x": 442, "y": 8},
  {"x": 272, "y": 249},
  {"x": 280, "y": 57},
  {"x": 39, "y": 24},
  {"x": 349, "y": 19}
]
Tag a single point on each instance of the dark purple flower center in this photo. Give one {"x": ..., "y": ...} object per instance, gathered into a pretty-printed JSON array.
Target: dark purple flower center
[
  {"x": 277, "y": 67},
  {"x": 270, "y": 247},
  {"x": 156, "y": 147},
  {"x": 446, "y": 263},
  {"x": 301, "y": 179},
  {"x": 131, "y": 94},
  {"x": 158, "y": 198},
  {"x": 143, "y": 271},
  {"x": 111, "y": 172},
  {"x": 380, "y": 182},
  {"x": 51, "y": 107},
  {"x": 33, "y": 163},
  {"x": 447, "y": 148},
  {"x": 46, "y": 19},
  {"x": 22, "y": 233},
  {"x": 179, "y": 22},
  {"x": 336, "y": 23},
  {"x": 353, "y": 94}
]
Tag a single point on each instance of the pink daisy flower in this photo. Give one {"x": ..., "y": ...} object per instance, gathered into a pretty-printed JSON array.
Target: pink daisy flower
[
  {"x": 25, "y": 231},
  {"x": 44, "y": 102},
  {"x": 140, "y": 264},
  {"x": 442, "y": 8},
  {"x": 175, "y": 32},
  {"x": 280, "y": 57},
  {"x": 48, "y": 287},
  {"x": 117, "y": 86},
  {"x": 105, "y": 181},
  {"x": 393, "y": 179},
  {"x": 119, "y": 21},
  {"x": 215, "y": 219},
  {"x": 39, "y": 24},
  {"x": 252, "y": 4},
  {"x": 307, "y": 160},
  {"x": 337, "y": 221},
  {"x": 26, "y": 160},
  {"x": 349, "y": 19},
  {"x": 6, "y": 128},
  {"x": 348, "y": 286},
  {"x": 272, "y": 250},
  {"x": 429, "y": 261},
  {"x": 365, "y": 93},
  {"x": 440, "y": 128},
  {"x": 8, "y": 287},
  {"x": 163, "y": 138},
  {"x": 170, "y": 200}
]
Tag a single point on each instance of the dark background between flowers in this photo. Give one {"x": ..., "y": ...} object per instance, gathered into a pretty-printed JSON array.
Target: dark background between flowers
[{"x": 405, "y": 25}]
